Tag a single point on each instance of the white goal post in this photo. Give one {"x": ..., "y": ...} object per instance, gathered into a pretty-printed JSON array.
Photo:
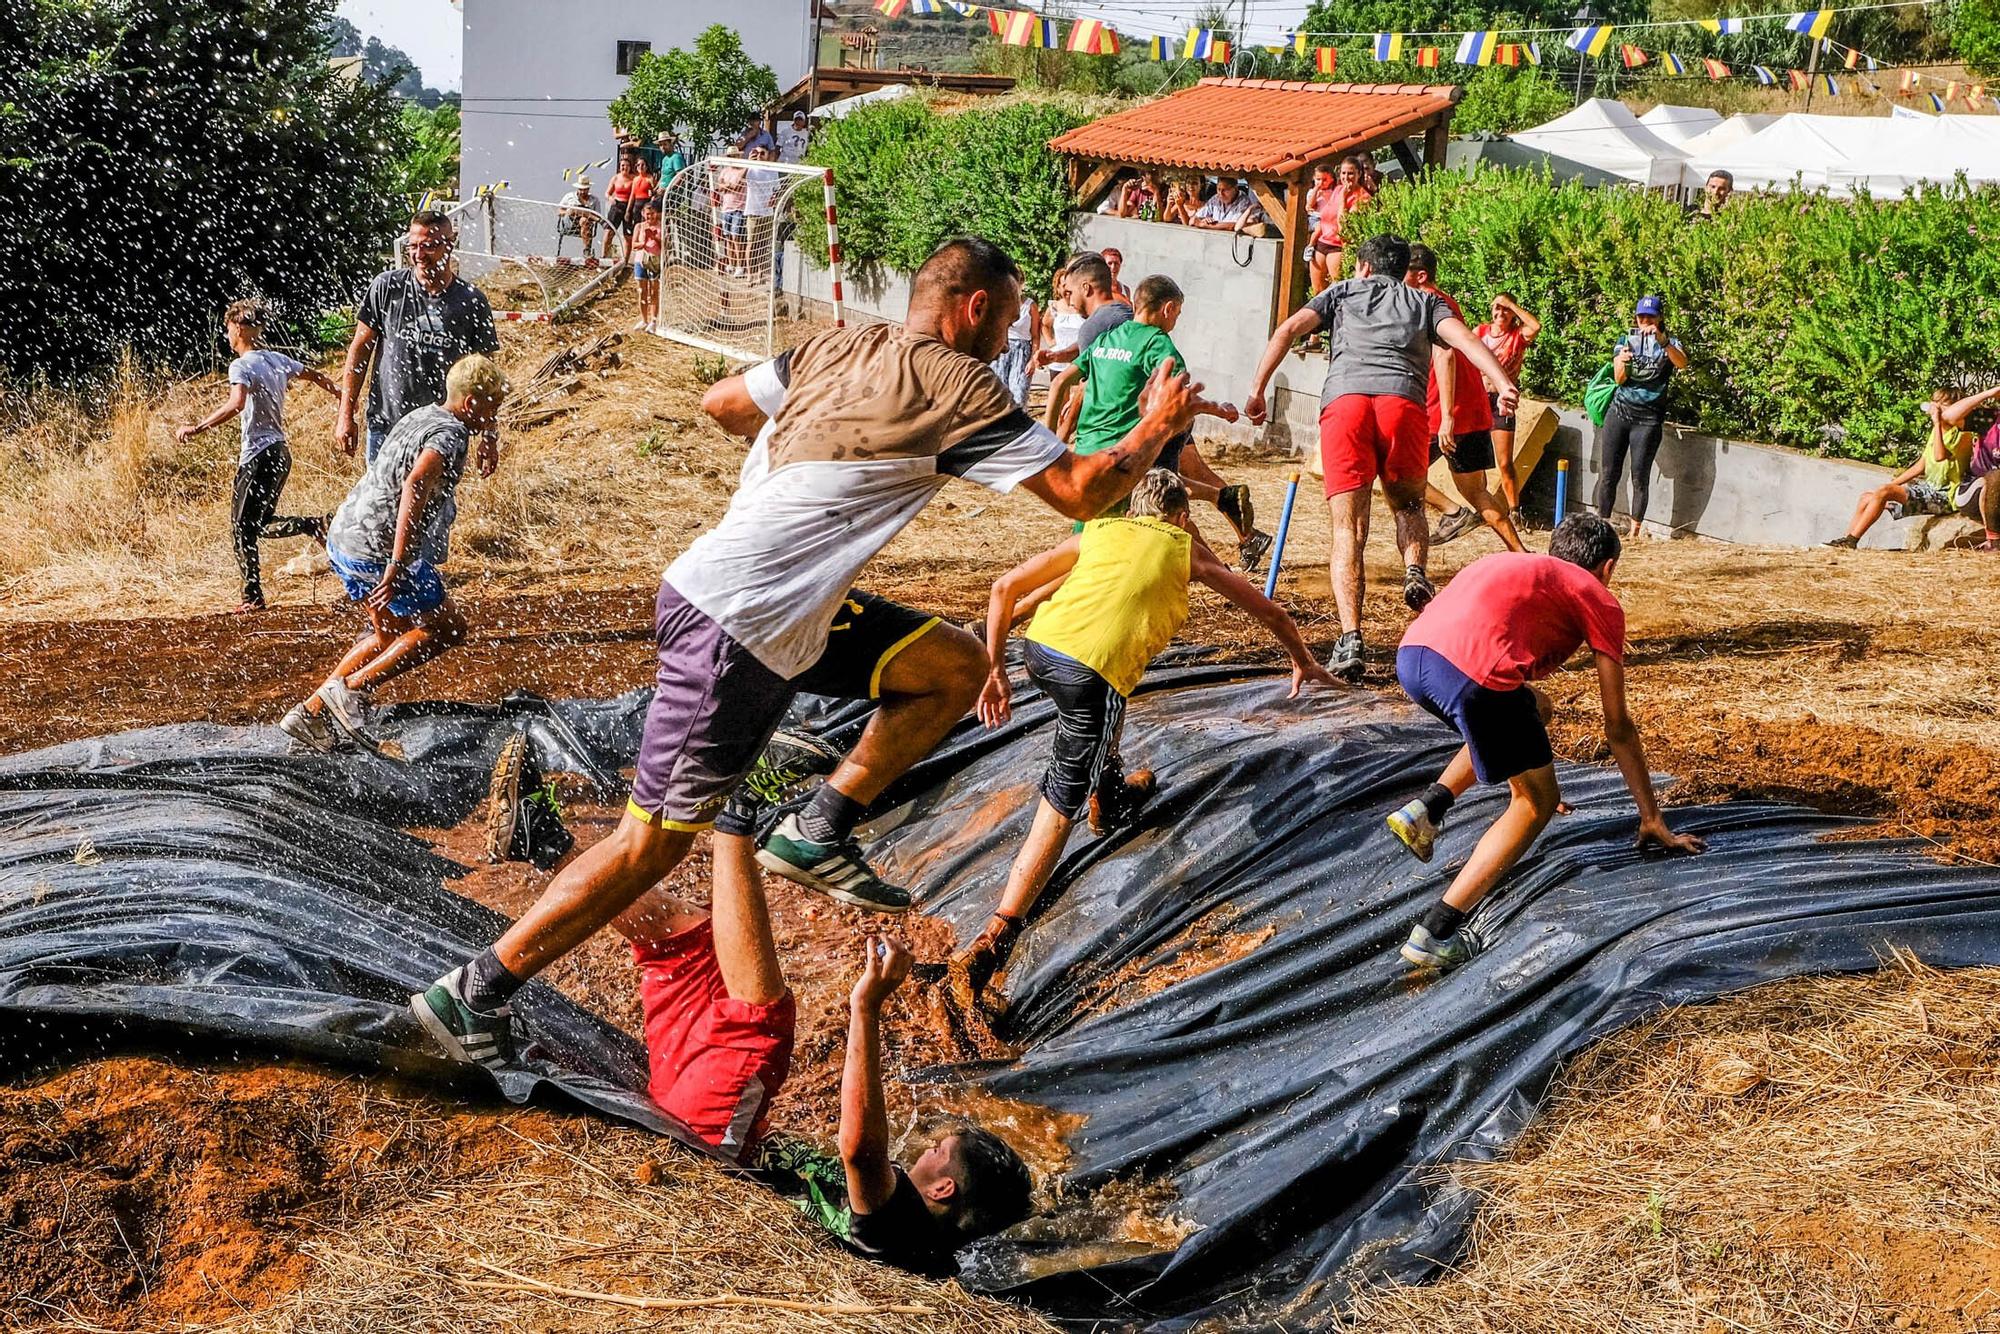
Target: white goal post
[
  {"x": 724, "y": 224},
  {"x": 536, "y": 260}
]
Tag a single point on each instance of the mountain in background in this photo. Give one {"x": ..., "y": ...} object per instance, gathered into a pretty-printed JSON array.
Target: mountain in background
[{"x": 381, "y": 64}]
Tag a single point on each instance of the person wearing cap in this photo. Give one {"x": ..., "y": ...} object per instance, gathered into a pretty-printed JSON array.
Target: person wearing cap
[
  {"x": 792, "y": 139},
  {"x": 1644, "y": 363},
  {"x": 672, "y": 160},
  {"x": 576, "y": 215}
]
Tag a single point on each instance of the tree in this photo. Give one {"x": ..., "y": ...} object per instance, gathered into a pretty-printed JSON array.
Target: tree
[
  {"x": 432, "y": 160},
  {"x": 704, "y": 95},
  {"x": 1975, "y": 35},
  {"x": 161, "y": 158},
  {"x": 382, "y": 63}
]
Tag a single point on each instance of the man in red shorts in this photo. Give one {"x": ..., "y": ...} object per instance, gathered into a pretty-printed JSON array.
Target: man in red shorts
[{"x": 1371, "y": 417}]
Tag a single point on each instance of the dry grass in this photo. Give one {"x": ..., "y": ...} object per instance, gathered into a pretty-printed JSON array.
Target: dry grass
[{"x": 1814, "y": 1155}]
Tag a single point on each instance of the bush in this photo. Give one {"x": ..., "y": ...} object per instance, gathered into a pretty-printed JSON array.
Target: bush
[
  {"x": 909, "y": 178},
  {"x": 1502, "y": 100},
  {"x": 431, "y": 162},
  {"x": 1800, "y": 312}
]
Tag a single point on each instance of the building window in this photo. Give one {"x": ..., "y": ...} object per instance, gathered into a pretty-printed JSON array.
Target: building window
[{"x": 629, "y": 53}]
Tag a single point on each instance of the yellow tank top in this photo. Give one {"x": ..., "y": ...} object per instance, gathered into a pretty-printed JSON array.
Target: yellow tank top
[
  {"x": 1123, "y": 602},
  {"x": 1946, "y": 473}
]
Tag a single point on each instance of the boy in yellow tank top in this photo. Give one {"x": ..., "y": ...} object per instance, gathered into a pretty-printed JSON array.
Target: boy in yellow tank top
[
  {"x": 1120, "y": 594},
  {"x": 1930, "y": 484}
]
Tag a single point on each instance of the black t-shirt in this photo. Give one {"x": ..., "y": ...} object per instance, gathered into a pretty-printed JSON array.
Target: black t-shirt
[
  {"x": 904, "y": 1233},
  {"x": 418, "y": 338}
]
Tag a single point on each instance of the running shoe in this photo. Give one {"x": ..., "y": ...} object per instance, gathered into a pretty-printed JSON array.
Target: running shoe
[
  {"x": 523, "y": 820},
  {"x": 1119, "y": 803},
  {"x": 1418, "y": 590},
  {"x": 1412, "y": 824},
  {"x": 1845, "y": 543},
  {"x": 1349, "y": 659},
  {"x": 475, "y": 1037},
  {"x": 1455, "y": 525},
  {"x": 788, "y": 760},
  {"x": 346, "y": 709},
  {"x": 836, "y": 870},
  {"x": 1518, "y": 519},
  {"x": 308, "y": 729},
  {"x": 1236, "y": 506},
  {"x": 1428, "y": 951},
  {"x": 1251, "y": 553}
]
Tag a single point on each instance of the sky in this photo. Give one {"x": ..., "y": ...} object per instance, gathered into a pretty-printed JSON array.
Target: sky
[{"x": 426, "y": 29}]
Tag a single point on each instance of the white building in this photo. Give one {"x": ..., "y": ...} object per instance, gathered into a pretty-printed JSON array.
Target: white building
[{"x": 538, "y": 76}]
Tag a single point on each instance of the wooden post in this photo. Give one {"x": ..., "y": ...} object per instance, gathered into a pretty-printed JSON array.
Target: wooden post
[
  {"x": 1288, "y": 214},
  {"x": 1436, "y": 136},
  {"x": 1091, "y": 189}
]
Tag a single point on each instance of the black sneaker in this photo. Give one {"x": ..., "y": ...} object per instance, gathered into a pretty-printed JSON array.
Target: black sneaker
[
  {"x": 836, "y": 870},
  {"x": 1455, "y": 525},
  {"x": 523, "y": 818},
  {"x": 1418, "y": 590},
  {"x": 788, "y": 760},
  {"x": 1250, "y": 554},
  {"x": 1846, "y": 543},
  {"x": 1348, "y": 660},
  {"x": 1235, "y": 505},
  {"x": 476, "y": 1037}
]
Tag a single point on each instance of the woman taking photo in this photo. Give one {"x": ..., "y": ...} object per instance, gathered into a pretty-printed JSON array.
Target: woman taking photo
[{"x": 1643, "y": 363}]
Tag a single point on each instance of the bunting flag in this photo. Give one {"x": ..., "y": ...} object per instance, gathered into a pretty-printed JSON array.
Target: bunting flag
[
  {"x": 1507, "y": 53},
  {"x": 1025, "y": 29},
  {"x": 1764, "y": 75},
  {"x": 997, "y": 22},
  {"x": 1951, "y": 91},
  {"x": 891, "y": 8},
  {"x": 1325, "y": 59},
  {"x": 1158, "y": 48},
  {"x": 1219, "y": 54},
  {"x": 1716, "y": 69},
  {"x": 1533, "y": 51},
  {"x": 1870, "y": 62},
  {"x": 1853, "y": 57},
  {"x": 1813, "y": 22},
  {"x": 1872, "y": 86},
  {"x": 1798, "y": 78},
  {"x": 1590, "y": 41},
  {"x": 1632, "y": 56},
  {"x": 1974, "y": 96},
  {"x": 1937, "y": 103},
  {"x": 1906, "y": 82},
  {"x": 1300, "y": 43},
  {"x": 1476, "y": 48},
  {"x": 1092, "y": 37},
  {"x": 1427, "y": 57},
  {"x": 1832, "y": 85},
  {"x": 1723, "y": 27},
  {"x": 964, "y": 11},
  {"x": 1673, "y": 63},
  {"x": 1388, "y": 46},
  {"x": 1200, "y": 44}
]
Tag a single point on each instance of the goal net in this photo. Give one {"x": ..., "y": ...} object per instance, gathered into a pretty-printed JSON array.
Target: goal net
[
  {"x": 534, "y": 259},
  {"x": 722, "y": 282}
]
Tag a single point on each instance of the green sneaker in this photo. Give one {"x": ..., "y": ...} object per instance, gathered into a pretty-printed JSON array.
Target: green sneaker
[
  {"x": 1412, "y": 824},
  {"x": 1427, "y": 951},
  {"x": 834, "y": 869},
  {"x": 475, "y": 1037}
]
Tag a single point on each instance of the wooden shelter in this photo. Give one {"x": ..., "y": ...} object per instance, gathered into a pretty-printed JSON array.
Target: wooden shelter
[{"x": 1271, "y": 133}]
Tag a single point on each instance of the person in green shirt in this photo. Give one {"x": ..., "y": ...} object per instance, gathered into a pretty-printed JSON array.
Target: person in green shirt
[
  {"x": 1115, "y": 367},
  {"x": 672, "y": 161},
  {"x": 1930, "y": 484}
]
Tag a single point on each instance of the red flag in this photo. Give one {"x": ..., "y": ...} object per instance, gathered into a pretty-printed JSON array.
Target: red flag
[
  {"x": 1716, "y": 69},
  {"x": 1632, "y": 56},
  {"x": 1798, "y": 78},
  {"x": 1507, "y": 53},
  {"x": 1325, "y": 58},
  {"x": 1427, "y": 58}
]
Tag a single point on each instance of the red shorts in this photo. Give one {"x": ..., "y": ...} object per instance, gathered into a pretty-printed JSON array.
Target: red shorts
[
  {"x": 716, "y": 1062},
  {"x": 1365, "y": 436}
]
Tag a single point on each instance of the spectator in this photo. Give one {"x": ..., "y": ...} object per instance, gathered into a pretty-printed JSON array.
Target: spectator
[
  {"x": 1089, "y": 280},
  {"x": 728, "y": 197},
  {"x": 576, "y": 215},
  {"x": 1508, "y": 333},
  {"x": 412, "y": 326},
  {"x": 672, "y": 160},
  {"x": 1335, "y": 193},
  {"x": 1180, "y": 203},
  {"x": 1932, "y": 483},
  {"x": 1975, "y": 498},
  {"x": 1720, "y": 186},
  {"x": 1140, "y": 198},
  {"x": 646, "y": 266},
  {"x": 1644, "y": 363},
  {"x": 622, "y": 216},
  {"x": 1114, "y": 259},
  {"x": 760, "y": 193},
  {"x": 1229, "y": 209},
  {"x": 1016, "y": 365},
  {"x": 755, "y": 136},
  {"x": 794, "y": 139}
]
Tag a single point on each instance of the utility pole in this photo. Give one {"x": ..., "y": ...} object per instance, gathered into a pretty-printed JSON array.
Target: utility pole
[
  {"x": 812, "y": 64},
  {"x": 1812, "y": 69},
  {"x": 1237, "y": 49},
  {"x": 1583, "y": 19}
]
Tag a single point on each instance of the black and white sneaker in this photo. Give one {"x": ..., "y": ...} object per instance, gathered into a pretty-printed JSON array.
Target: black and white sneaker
[
  {"x": 1349, "y": 658},
  {"x": 1253, "y": 550},
  {"x": 345, "y": 709},
  {"x": 476, "y": 1037},
  {"x": 1418, "y": 590},
  {"x": 788, "y": 762},
  {"x": 308, "y": 729},
  {"x": 1455, "y": 525}
]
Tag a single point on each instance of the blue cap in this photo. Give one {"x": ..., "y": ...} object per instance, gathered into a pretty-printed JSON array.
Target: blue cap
[{"x": 1648, "y": 305}]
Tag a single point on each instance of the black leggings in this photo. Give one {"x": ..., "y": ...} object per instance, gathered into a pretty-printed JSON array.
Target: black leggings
[
  {"x": 253, "y": 514},
  {"x": 1089, "y": 716},
  {"x": 1639, "y": 433}
]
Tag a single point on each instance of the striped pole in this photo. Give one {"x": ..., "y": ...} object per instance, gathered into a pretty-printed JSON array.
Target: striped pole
[
  {"x": 833, "y": 248},
  {"x": 1562, "y": 488},
  {"x": 1284, "y": 528}
]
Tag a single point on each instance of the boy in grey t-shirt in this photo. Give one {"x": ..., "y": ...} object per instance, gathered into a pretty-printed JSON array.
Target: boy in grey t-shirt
[
  {"x": 386, "y": 542},
  {"x": 1383, "y": 336}
]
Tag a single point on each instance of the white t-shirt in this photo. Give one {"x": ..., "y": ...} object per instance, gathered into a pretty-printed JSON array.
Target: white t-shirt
[
  {"x": 791, "y": 144},
  {"x": 264, "y": 375},
  {"x": 865, "y": 426},
  {"x": 1022, "y": 330},
  {"x": 1244, "y": 209},
  {"x": 760, "y": 188}
]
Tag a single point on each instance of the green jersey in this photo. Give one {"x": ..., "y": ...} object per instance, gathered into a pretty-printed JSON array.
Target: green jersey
[{"x": 1115, "y": 368}]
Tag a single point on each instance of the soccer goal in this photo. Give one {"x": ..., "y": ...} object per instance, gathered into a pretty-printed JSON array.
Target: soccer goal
[
  {"x": 535, "y": 260},
  {"x": 722, "y": 280}
]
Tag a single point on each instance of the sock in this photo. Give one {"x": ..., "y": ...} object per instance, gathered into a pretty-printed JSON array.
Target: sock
[
  {"x": 488, "y": 984},
  {"x": 830, "y": 816},
  {"x": 1438, "y": 801},
  {"x": 1442, "y": 920}
]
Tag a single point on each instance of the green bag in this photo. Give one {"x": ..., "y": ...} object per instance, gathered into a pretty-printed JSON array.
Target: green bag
[{"x": 1597, "y": 394}]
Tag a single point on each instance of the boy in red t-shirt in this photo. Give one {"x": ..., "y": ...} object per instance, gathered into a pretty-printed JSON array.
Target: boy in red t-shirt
[{"x": 1506, "y": 620}]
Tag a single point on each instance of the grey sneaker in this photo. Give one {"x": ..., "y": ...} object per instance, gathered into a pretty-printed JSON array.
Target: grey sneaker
[
  {"x": 1418, "y": 590},
  {"x": 834, "y": 869},
  {"x": 308, "y": 729},
  {"x": 1413, "y": 826},
  {"x": 475, "y": 1037},
  {"x": 1846, "y": 543},
  {"x": 346, "y": 710},
  {"x": 1427, "y": 951},
  {"x": 1348, "y": 658},
  {"x": 1251, "y": 553},
  {"x": 1455, "y": 525}
]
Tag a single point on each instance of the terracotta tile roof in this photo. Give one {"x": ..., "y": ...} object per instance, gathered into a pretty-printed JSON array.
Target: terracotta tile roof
[{"x": 1257, "y": 126}]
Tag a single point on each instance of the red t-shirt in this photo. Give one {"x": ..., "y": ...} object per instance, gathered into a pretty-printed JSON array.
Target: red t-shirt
[
  {"x": 1516, "y": 616},
  {"x": 1469, "y": 409}
]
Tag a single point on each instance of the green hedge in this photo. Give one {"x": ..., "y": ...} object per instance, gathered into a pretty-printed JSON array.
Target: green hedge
[
  {"x": 1800, "y": 312},
  {"x": 908, "y": 178}
]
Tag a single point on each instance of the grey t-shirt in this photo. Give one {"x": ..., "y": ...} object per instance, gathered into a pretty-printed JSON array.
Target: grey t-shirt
[
  {"x": 1380, "y": 333},
  {"x": 264, "y": 375},
  {"x": 419, "y": 337},
  {"x": 364, "y": 527},
  {"x": 1102, "y": 320}
]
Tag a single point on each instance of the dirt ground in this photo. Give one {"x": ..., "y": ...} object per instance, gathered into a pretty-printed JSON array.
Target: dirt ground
[{"x": 1853, "y": 682}]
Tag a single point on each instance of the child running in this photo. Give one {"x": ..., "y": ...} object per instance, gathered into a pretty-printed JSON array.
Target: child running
[
  {"x": 1506, "y": 620},
  {"x": 1115, "y": 367},
  {"x": 1929, "y": 485},
  {"x": 258, "y": 379},
  {"x": 387, "y": 542},
  {"x": 646, "y": 266},
  {"x": 1120, "y": 596}
]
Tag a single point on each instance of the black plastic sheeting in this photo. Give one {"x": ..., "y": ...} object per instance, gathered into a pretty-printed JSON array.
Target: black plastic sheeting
[{"x": 1298, "y": 1098}]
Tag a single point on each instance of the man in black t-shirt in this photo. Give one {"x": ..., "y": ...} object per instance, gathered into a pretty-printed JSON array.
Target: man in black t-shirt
[{"x": 412, "y": 327}]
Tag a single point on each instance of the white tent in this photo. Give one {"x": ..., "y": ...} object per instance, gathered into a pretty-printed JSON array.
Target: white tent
[
  {"x": 1883, "y": 154},
  {"x": 1725, "y": 135},
  {"x": 1604, "y": 134},
  {"x": 1678, "y": 125},
  {"x": 894, "y": 92}
]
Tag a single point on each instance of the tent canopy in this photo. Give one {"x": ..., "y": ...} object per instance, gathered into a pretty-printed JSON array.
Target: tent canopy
[
  {"x": 1885, "y": 155},
  {"x": 1677, "y": 125},
  {"x": 1604, "y": 134}
]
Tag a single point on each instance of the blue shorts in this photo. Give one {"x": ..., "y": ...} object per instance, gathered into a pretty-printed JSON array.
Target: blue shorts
[
  {"x": 1502, "y": 728},
  {"x": 733, "y": 225},
  {"x": 419, "y": 586}
]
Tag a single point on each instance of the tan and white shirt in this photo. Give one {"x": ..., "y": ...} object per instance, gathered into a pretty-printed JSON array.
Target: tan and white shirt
[{"x": 866, "y": 425}]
